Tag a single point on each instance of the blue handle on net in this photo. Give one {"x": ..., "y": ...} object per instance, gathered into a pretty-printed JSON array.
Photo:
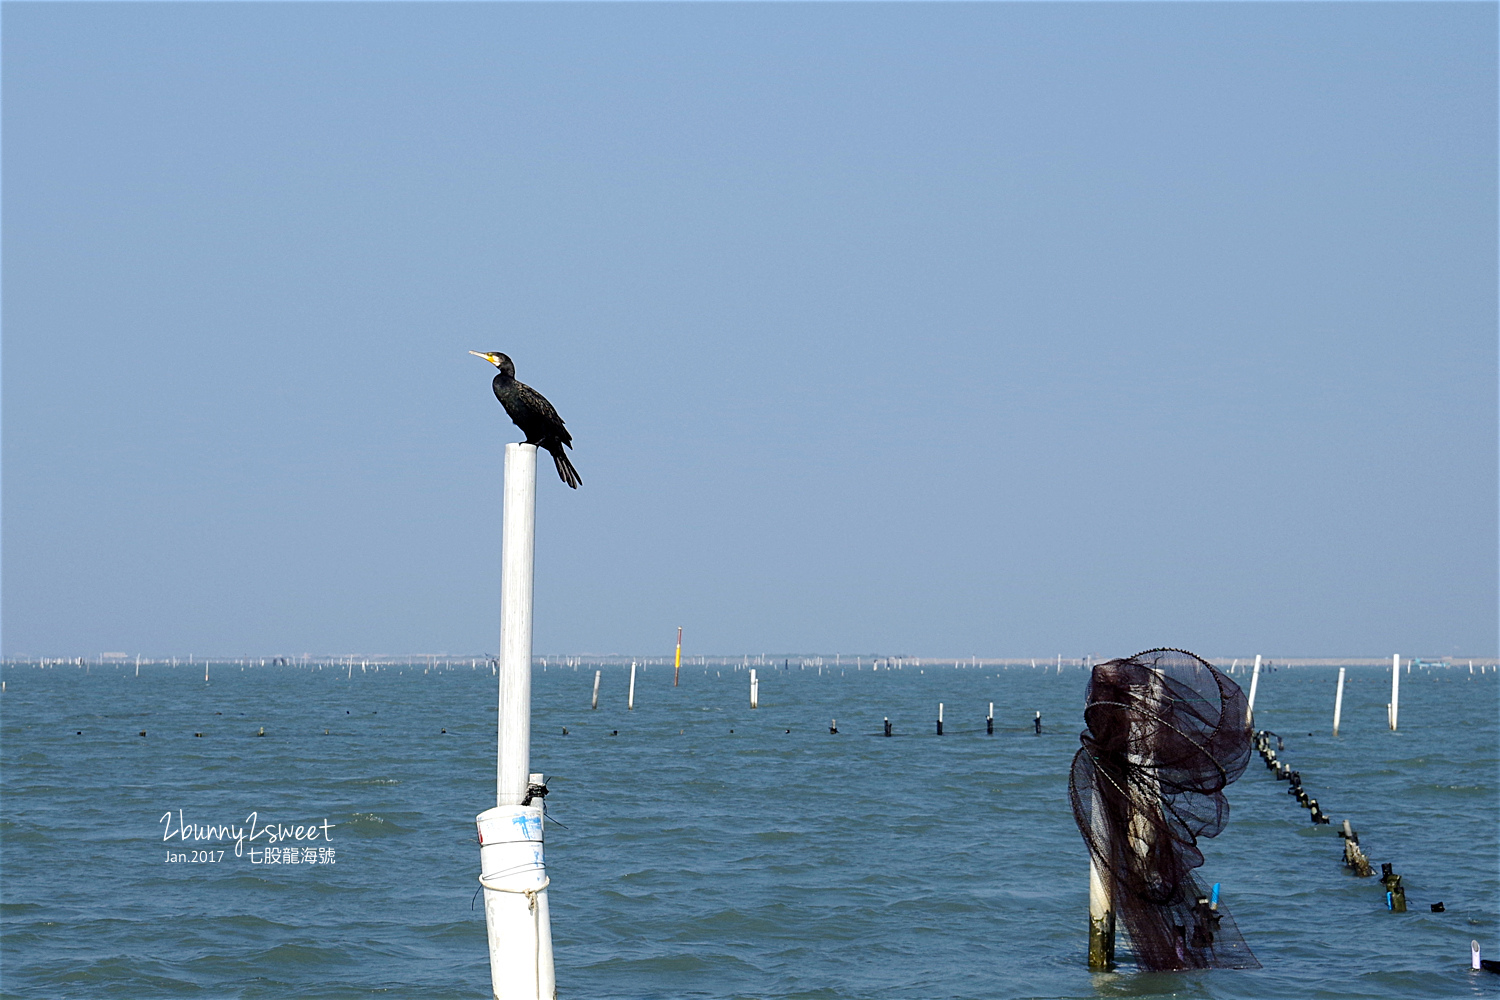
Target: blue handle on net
[{"x": 1214, "y": 899}]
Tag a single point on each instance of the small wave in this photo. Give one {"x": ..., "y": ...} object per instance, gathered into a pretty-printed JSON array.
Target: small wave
[{"x": 370, "y": 824}]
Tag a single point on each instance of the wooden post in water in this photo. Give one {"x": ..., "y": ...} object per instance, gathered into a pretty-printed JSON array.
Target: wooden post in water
[
  {"x": 678, "y": 668},
  {"x": 1101, "y": 920},
  {"x": 1395, "y": 706},
  {"x": 596, "y": 689},
  {"x": 630, "y": 702},
  {"x": 512, "y": 870},
  {"x": 1254, "y": 683},
  {"x": 1338, "y": 702}
]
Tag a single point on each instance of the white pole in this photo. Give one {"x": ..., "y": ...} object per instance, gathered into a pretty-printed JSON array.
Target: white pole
[
  {"x": 754, "y": 690},
  {"x": 596, "y": 689},
  {"x": 1395, "y": 687},
  {"x": 518, "y": 546},
  {"x": 630, "y": 701},
  {"x": 512, "y": 869},
  {"x": 1254, "y": 683},
  {"x": 1338, "y": 702}
]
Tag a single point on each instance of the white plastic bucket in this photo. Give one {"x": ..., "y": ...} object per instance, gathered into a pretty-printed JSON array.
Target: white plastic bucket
[
  {"x": 514, "y": 875},
  {"x": 510, "y": 848}
]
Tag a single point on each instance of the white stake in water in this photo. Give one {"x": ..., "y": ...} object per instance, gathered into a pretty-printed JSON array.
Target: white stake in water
[
  {"x": 1254, "y": 683},
  {"x": 630, "y": 701},
  {"x": 512, "y": 870},
  {"x": 1395, "y": 706},
  {"x": 1338, "y": 702},
  {"x": 596, "y": 689}
]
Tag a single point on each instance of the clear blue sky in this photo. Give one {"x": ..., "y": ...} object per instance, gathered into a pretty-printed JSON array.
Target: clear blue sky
[{"x": 948, "y": 329}]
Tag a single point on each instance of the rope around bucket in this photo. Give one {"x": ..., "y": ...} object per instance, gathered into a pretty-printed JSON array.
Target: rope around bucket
[
  {"x": 536, "y": 918},
  {"x": 530, "y": 894}
]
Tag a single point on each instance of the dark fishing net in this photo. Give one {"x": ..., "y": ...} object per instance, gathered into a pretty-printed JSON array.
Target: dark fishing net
[{"x": 1166, "y": 733}]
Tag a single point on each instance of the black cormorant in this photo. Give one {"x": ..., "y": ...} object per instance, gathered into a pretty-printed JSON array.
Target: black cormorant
[{"x": 532, "y": 413}]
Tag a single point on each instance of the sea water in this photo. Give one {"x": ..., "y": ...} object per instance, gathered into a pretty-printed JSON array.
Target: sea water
[{"x": 698, "y": 848}]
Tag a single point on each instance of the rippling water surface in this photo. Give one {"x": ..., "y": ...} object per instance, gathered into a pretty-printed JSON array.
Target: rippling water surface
[{"x": 705, "y": 851}]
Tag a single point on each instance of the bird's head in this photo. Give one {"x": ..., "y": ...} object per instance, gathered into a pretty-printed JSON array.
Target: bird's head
[{"x": 499, "y": 360}]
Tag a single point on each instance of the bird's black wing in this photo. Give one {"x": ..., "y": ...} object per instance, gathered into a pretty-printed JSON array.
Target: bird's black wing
[{"x": 543, "y": 414}]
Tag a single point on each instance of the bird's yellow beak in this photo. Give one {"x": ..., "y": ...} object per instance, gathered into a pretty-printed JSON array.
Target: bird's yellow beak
[{"x": 486, "y": 357}]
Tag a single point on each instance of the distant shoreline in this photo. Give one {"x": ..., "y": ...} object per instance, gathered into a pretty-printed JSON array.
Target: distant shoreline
[{"x": 768, "y": 660}]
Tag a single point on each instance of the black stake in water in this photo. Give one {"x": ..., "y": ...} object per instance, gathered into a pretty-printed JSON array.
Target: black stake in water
[
  {"x": 887, "y": 725},
  {"x": 1038, "y": 723},
  {"x": 1395, "y": 892}
]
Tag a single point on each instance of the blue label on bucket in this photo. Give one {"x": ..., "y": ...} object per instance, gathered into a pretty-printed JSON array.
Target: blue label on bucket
[{"x": 527, "y": 827}]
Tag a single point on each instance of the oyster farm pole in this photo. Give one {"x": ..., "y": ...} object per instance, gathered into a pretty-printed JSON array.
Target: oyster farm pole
[{"x": 512, "y": 870}]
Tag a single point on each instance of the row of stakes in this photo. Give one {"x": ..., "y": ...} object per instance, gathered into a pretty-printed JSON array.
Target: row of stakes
[
  {"x": 1355, "y": 858},
  {"x": 889, "y": 730},
  {"x": 989, "y": 723},
  {"x": 833, "y": 724},
  {"x": 1285, "y": 773}
]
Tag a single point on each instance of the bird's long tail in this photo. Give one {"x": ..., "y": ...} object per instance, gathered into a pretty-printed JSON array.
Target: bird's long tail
[{"x": 565, "y": 470}]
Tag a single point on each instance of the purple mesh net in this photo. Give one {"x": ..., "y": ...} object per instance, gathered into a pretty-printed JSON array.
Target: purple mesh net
[{"x": 1166, "y": 733}]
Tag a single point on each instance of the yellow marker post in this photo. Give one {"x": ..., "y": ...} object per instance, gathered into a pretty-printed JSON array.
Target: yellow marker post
[{"x": 678, "y": 668}]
